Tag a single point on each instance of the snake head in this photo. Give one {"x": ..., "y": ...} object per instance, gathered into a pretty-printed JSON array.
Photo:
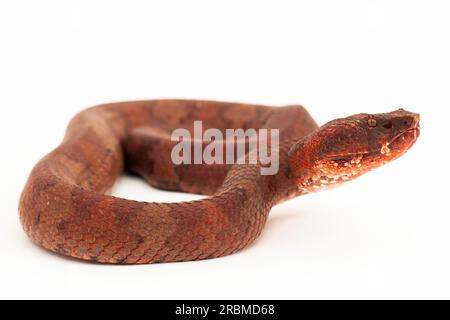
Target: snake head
[{"x": 344, "y": 149}]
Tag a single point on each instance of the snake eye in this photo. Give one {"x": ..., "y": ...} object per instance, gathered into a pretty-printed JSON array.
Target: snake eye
[{"x": 372, "y": 122}]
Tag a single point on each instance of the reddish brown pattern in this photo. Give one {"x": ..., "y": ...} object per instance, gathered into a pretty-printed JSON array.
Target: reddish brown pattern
[{"x": 64, "y": 209}]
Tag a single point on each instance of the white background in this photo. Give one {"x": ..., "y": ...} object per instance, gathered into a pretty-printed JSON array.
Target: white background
[{"x": 386, "y": 235}]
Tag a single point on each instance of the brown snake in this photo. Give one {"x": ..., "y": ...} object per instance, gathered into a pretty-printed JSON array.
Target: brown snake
[{"x": 64, "y": 207}]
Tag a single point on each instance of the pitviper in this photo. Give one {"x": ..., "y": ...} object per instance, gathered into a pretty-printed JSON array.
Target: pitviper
[{"x": 64, "y": 206}]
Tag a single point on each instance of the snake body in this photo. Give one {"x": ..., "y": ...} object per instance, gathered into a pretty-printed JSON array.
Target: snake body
[{"x": 64, "y": 206}]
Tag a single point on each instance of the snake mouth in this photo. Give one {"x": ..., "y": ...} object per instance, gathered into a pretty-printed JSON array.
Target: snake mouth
[{"x": 404, "y": 140}]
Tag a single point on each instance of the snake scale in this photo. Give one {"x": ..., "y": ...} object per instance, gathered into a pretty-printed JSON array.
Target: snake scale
[{"x": 65, "y": 206}]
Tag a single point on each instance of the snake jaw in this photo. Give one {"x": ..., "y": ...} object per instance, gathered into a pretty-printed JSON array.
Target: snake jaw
[
  {"x": 400, "y": 143},
  {"x": 407, "y": 138}
]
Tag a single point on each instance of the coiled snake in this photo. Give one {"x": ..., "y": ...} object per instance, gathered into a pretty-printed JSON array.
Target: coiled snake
[{"x": 64, "y": 207}]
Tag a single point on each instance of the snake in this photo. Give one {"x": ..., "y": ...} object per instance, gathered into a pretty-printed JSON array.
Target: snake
[{"x": 66, "y": 205}]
